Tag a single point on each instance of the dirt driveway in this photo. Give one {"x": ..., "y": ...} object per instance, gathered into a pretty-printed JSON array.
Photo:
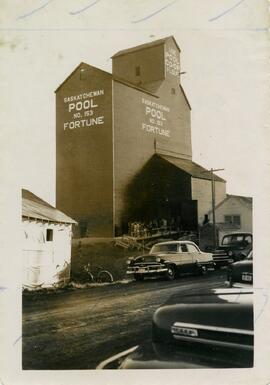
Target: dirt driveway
[{"x": 78, "y": 329}]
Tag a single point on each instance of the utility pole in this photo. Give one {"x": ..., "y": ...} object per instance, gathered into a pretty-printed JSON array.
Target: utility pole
[{"x": 214, "y": 204}]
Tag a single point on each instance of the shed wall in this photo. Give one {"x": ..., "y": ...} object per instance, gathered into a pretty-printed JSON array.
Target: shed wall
[{"x": 45, "y": 262}]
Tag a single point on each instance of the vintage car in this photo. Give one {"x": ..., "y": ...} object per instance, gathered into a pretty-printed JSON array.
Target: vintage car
[
  {"x": 211, "y": 329},
  {"x": 170, "y": 259},
  {"x": 241, "y": 273},
  {"x": 232, "y": 248}
]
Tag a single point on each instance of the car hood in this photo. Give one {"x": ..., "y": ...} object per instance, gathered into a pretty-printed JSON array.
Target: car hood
[
  {"x": 221, "y": 250},
  {"x": 146, "y": 259},
  {"x": 244, "y": 265},
  {"x": 151, "y": 258},
  {"x": 215, "y": 315},
  {"x": 233, "y": 247},
  {"x": 225, "y": 308}
]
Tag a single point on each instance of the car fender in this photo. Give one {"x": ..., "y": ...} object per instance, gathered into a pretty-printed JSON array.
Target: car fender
[
  {"x": 171, "y": 264},
  {"x": 204, "y": 257}
]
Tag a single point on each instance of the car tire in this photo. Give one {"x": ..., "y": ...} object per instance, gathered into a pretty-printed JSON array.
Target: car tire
[
  {"x": 170, "y": 273},
  {"x": 138, "y": 277},
  {"x": 201, "y": 270}
]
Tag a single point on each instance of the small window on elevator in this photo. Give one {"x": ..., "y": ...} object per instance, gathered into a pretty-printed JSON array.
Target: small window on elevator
[
  {"x": 82, "y": 74},
  {"x": 49, "y": 235},
  {"x": 138, "y": 70}
]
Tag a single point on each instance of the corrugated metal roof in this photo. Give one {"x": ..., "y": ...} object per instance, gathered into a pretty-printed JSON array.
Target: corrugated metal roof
[
  {"x": 144, "y": 46},
  {"x": 36, "y": 208},
  {"x": 190, "y": 167}
]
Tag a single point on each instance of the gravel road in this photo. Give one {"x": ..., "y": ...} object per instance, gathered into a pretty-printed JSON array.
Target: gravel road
[{"x": 78, "y": 329}]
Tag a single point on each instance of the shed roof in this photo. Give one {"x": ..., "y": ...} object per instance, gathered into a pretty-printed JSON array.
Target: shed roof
[
  {"x": 144, "y": 46},
  {"x": 247, "y": 201},
  {"x": 190, "y": 167},
  {"x": 36, "y": 208},
  {"x": 131, "y": 85}
]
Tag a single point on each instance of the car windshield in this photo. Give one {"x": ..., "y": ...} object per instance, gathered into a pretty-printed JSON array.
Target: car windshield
[
  {"x": 166, "y": 248},
  {"x": 236, "y": 239},
  {"x": 250, "y": 256}
]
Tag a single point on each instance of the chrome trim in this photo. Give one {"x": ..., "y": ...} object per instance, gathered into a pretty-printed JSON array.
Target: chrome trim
[
  {"x": 201, "y": 263},
  {"x": 239, "y": 285},
  {"x": 229, "y": 260},
  {"x": 116, "y": 357},
  {"x": 220, "y": 257},
  {"x": 147, "y": 271},
  {"x": 214, "y": 328},
  {"x": 213, "y": 342}
]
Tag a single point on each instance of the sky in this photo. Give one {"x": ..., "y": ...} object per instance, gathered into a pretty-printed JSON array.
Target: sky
[{"x": 223, "y": 52}]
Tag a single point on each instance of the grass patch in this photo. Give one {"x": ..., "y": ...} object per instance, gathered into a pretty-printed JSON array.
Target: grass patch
[{"x": 99, "y": 253}]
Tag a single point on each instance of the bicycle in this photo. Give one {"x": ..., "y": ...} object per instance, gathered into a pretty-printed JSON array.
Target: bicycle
[
  {"x": 62, "y": 277},
  {"x": 101, "y": 276},
  {"x": 61, "y": 284}
]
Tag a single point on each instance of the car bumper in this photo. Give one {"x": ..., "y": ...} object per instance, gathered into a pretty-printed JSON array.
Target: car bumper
[
  {"x": 207, "y": 264},
  {"x": 163, "y": 356},
  {"x": 223, "y": 261},
  {"x": 146, "y": 270},
  {"x": 240, "y": 285}
]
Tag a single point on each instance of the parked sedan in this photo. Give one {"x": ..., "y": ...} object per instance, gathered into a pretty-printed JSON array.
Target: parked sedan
[
  {"x": 241, "y": 272},
  {"x": 170, "y": 259},
  {"x": 203, "y": 330}
]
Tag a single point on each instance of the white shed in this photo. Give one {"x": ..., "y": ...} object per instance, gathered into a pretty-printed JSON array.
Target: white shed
[{"x": 46, "y": 248}]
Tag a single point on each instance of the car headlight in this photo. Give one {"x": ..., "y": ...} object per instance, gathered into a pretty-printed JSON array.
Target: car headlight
[
  {"x": 230, "y": 253},
  {"x": 129, "y": 261},
  {"x": 158, "y": 259}
]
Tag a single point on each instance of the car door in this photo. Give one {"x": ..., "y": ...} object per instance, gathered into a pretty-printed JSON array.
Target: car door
[
  {"x": 184, "y": 258},
  {"x": 195, "y": 254}
]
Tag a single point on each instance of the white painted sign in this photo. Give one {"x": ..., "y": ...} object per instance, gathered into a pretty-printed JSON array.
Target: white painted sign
[
  {"x": 83, "y": 110},
  {"x": 172, "y": 62},
  {"x": 155, "y": 115}
]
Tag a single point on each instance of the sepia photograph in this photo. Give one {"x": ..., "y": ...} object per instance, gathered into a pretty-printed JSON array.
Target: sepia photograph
[{"x": 135, "y": 154}]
